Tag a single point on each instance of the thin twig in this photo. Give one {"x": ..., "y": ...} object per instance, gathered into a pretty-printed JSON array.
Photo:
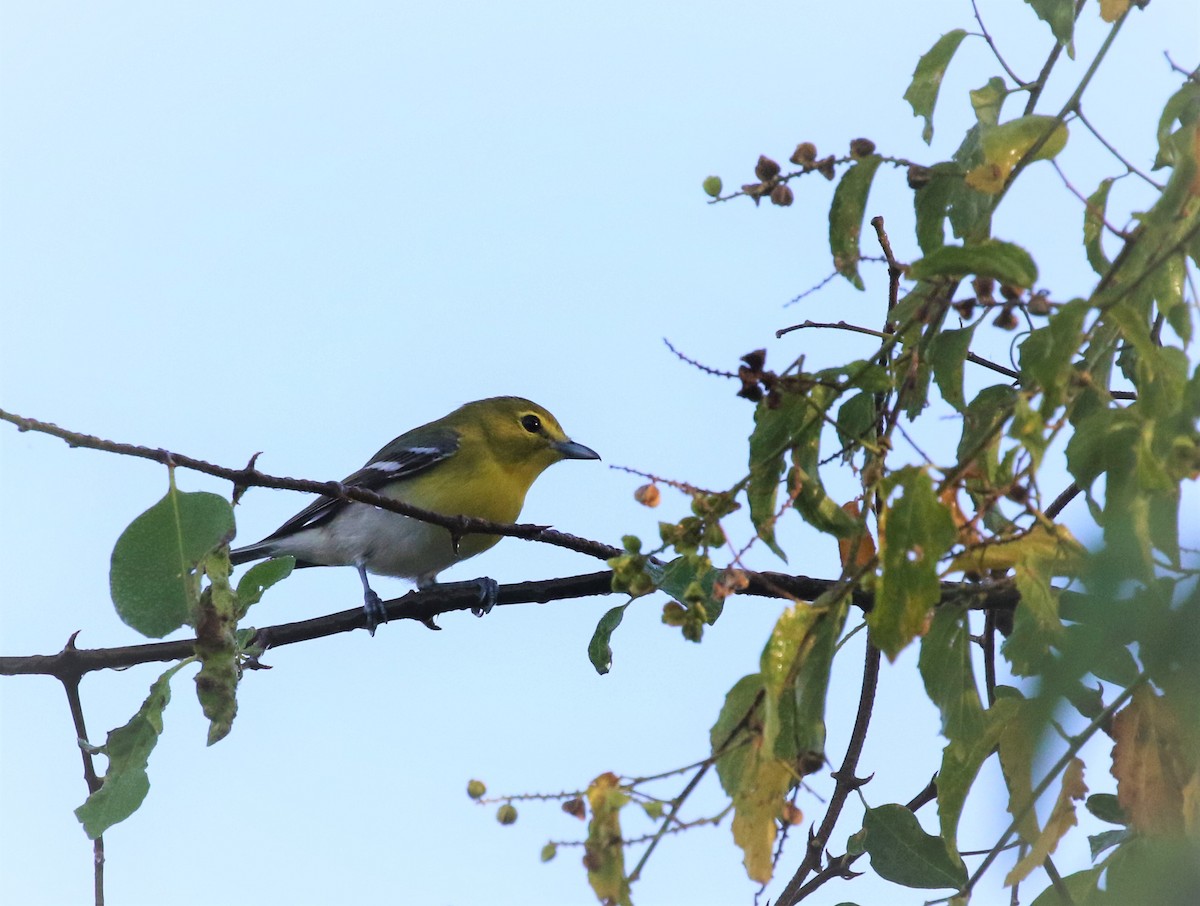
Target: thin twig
[
  {"x": 70, "y": 684},
  {"x": 1111, "y": 150},
  {"x": 846, "y": 781},
  {"x": 251, "y": 477},
  {"x": 995, "y": 50}
]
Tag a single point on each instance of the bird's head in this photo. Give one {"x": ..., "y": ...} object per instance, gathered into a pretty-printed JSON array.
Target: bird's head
[{"x": 522, "y": 433}]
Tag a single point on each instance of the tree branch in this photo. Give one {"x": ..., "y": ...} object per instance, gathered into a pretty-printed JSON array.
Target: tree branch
[{"x": 251, "y": 477}]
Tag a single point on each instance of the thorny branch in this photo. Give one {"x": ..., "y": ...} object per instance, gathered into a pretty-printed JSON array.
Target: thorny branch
[{"x": 458, "y": 526}]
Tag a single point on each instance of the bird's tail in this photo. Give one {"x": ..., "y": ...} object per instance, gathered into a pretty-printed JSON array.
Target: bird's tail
[{"x": 250, "y": 552}]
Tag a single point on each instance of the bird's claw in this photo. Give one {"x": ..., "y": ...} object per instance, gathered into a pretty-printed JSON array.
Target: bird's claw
[
  {"x": 489, "y": 591},
  {"x": 373, "y": 610}
]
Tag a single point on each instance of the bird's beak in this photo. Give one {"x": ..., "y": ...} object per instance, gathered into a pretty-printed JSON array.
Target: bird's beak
[{"x": 571, "y": 450}]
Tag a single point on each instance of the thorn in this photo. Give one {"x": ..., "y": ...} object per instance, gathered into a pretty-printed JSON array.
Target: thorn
[{"x": 238, "y": 488}]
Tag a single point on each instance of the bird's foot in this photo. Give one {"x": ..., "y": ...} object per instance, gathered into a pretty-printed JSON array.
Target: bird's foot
[
  {"x": 374, "y": 610},
  {"x": 489, "y": 590}
]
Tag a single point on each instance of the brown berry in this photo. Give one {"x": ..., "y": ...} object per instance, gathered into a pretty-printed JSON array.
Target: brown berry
[
  {"x": 766, "y": 169},
  {"x": 861, "y": 147},
  {"x": 782, "y": 195},
  {"x": 805, "y": 154},
  {"x": 1039, "y": 304},
  {"x": 648, "y": 495},
  {"x": 825, "y": 167}
]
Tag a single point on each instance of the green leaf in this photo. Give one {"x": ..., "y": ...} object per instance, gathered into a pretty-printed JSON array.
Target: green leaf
[
  {"x": 990, "y": 408},
  {"x": 931, "y": 204},
  {"x": 128, "y": 749},
  {"x": 680, "y": 573},
  {"x": 811, "y": 688},
  {"x": 856, "y": 419},
  {"x": 773, "y": 432},
  {"x": 1155, "y": 870},
  {"x": 915, "y": 531},
  {"x": 1036, "y": 623},
  {"x": 1080, "y": 885},
  {"x": 947, "y": 354},
  {"x": 922, "y": 92},
  {"x": 945, "y": 666},
  {"x": 599, "y": 649},
  {"x": 153, "y": 576},
  {"x": 1048, "y": 355},
  {"x": 1182, "y": 107},
  {"x": 1060, "y": 16},
  {"x": 1007, "y": 263},
  {"x": 901, "y": 852},
  {"x": 846, "y": 215},
  {"x": 1106, "y": 807},
  {"x": 739, "y": 701},
  {"x": 1098, "y": 843},
  {"x": 795, "y": 664},
  {"x": 961, "y": 761},
  {"x": 261, "y": 576},
  {"x": 987, "y": 102},
  {"x": 1093, "y": 227}
]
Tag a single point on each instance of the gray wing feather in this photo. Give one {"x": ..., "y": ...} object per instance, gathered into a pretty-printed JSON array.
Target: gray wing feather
[{"x": 394, "y": 462}]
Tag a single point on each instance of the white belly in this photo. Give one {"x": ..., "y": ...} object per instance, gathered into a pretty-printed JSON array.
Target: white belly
[{"x": 388, "y": 544}]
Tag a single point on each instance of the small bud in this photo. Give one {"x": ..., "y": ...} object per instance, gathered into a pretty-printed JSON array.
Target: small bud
[
  {"x": 965, "y": 309},
  {"x": 549, "y": 851},
  {"x": 476, "y": 789},
  {"x": 712, "y": 186},
  {"x": 575, "y": 808},
  {"x": 766, "y": 169},
  {"x": 1006, "y": 320},
  {"x": 1018, "y": 494},
  {"x": 825, "y": 168},
  {"x": 648, "y": 495},
  {"x": 507, "y": 814},
  {"x": 804, "y": 155},
  {"x": 1039, "y": 304},
  {"x": 781, "y": 195},
  {"x": 632, "y": 544},
  {"x": 861, "y": 147},
  {"x": 674, "y": 613},
  {"x": 1011, "y": 293},
  {"x": 918, "y": 176}
]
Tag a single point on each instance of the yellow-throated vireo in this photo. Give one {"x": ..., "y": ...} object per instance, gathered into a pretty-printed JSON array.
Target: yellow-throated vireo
[{"x": 480, "y": 460}]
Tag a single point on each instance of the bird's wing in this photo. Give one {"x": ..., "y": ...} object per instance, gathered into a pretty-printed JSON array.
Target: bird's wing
[{"x": 401, "y": 459}]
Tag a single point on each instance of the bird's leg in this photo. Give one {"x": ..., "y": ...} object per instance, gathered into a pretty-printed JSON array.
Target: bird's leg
[
  {"x": 489, "y": 590},
  {"x": 373, "y": 607}
]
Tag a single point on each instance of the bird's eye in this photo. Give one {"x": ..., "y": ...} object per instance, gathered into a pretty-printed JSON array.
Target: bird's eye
[{"x": 532, "y": 424}]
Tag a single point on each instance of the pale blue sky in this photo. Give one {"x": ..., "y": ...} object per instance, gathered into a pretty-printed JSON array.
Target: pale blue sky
[{"x": 303, "y": 228}]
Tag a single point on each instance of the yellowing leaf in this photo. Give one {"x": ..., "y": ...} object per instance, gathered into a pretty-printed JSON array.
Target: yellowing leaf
[
  {"x": 604, "y": 855},
  {"x": 856, "y": 553},
  {"x": 1062, "y": 819},
  {"x": 1053, "y": 544},
  {"x": 757, "y": 805},
  {"x": 1155, "y": 766},
  {"x": 1005, "y": 145},
  {"x": 1112, "y": 10}
]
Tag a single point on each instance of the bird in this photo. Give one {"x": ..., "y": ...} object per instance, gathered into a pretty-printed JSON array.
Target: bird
[{"x": 480, "y": 461}]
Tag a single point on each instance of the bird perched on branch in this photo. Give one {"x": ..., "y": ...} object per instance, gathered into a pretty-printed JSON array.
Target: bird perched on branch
[{"x": 480, "y": 460}]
